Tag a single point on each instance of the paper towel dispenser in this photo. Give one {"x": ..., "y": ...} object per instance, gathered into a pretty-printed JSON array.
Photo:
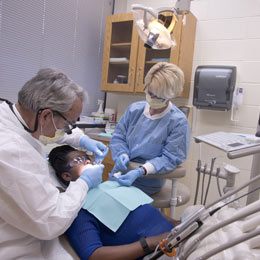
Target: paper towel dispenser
[{"x": 214, "y": 87}]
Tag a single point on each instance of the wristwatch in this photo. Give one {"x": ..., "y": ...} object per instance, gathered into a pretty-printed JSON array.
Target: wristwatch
[
  {"x": 145, "y": 246},
  {"x": 144, "y": 170}
]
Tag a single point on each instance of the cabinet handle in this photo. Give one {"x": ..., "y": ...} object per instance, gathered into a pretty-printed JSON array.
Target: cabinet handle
[
  {"x": 137, "y": 77},
  {"x": 130, "y": 76}
]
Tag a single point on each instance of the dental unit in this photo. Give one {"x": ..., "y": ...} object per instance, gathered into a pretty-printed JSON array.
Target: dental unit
[{"x": 174, "y": 245}]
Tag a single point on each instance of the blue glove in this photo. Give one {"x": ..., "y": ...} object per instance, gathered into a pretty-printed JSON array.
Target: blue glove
[
  {"x": 122, "y": 162},
  {"x": 128, "y": 178},
  {"x": 98, "y": 148},
  {"x": 92, "y": 175}
]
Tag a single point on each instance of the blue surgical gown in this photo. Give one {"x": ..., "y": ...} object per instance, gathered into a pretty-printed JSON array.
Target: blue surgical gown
[{"x": 164, "y": 142}]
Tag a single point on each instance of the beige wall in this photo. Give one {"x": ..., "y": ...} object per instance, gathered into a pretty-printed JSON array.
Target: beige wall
[{"x": 227, "y": 34}]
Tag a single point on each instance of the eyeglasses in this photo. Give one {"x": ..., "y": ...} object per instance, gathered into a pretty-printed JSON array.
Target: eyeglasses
[
  {"x": 77, "y": 161},
  {"x": 154, "y": 96},
  {"x": 70, "y": 125}
]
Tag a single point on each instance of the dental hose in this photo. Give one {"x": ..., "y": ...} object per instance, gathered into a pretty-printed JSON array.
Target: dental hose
[
  {"x": 178, "y": 229},
  {"x": 218, "y": 184},
  {"x": 212, "y": 229},
  {"x": 202, "y": 184},
  {"x": 198, "y": 181},
  {"x": 232, "y": 192},
  {"x": 209, "y": 181},
  {"x": 229, "y": 244},
  {"x": 242, "y": 214}
]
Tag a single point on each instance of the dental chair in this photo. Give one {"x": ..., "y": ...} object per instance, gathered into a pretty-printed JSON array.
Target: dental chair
[{"x": 173, "y": 193}]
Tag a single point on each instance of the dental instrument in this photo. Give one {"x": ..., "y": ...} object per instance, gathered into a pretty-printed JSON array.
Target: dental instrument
[
  {"x": 99, "y": 159},
  {"x": 202, "y": 184},
  {"x": 218, "y": 184},
  {"x": 228, "y": 174},
  {"x": 210, "y": 175},
  {"x": 198, "y": 181}
]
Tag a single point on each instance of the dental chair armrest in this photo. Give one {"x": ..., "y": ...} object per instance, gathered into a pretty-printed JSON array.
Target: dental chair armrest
[{"x": 178, "y": 172}]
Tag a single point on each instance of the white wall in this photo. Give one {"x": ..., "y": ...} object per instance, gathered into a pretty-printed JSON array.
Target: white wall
[{"x": 227, "y": 34}]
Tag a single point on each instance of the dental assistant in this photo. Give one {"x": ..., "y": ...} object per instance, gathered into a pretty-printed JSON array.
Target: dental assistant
[
  {"x": 155, "y": 133},
  {"x": 33, "y": 213}
]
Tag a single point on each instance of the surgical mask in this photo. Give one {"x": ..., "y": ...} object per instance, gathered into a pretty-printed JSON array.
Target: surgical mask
[
  {"x": 50, "y": 140},
  {"x": 156, "y": 103}
]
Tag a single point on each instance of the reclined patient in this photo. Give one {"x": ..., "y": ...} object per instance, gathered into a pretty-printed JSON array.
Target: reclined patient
[{"x": 91, "y": 238}]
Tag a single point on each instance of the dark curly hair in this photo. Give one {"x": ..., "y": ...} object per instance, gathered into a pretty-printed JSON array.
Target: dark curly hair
[{"x": 58, "y": 159}]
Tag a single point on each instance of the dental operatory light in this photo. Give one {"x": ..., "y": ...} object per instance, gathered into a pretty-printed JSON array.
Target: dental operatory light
[{"x": 154, "y": 28}]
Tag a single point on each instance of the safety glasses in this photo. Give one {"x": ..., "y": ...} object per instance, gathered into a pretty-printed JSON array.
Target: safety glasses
[
  {"x": 154, "y": 96},
  {"x": 70, "y": 125},
  {"x": 77, "y": 161}
]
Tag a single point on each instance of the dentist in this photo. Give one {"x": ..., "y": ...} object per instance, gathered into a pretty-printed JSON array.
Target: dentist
[{"x": 33, "y": 213}]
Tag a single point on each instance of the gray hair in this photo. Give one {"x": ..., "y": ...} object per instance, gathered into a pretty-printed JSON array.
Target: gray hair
[
  {"x": 165, "y": 80},
  {"x": 52, "y": 89}
]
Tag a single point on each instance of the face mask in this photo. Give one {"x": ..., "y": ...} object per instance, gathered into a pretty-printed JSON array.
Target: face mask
[
  {"x": 50, "y": 140},
  {"x": 156, "y": 103}
]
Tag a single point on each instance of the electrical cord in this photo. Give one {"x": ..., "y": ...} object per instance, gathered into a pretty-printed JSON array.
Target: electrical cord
[{"x": 209, "y": 180}]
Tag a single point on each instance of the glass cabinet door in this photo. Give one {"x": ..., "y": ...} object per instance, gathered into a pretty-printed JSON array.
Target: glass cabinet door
[{"x": 120, "y": 54}]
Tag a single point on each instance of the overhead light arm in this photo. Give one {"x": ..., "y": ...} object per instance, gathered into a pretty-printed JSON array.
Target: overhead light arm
[
  {"x": 182, "y": 6},
  {"x": 151, "y": 28},
  {"x": 145, "y": 9}
]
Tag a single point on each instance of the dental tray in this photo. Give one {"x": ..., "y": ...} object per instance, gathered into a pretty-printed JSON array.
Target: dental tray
[{"x": 226, "y": 141}]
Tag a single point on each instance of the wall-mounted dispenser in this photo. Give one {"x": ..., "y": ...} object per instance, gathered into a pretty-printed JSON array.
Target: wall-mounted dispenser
[{"x": 214, "y": 87}]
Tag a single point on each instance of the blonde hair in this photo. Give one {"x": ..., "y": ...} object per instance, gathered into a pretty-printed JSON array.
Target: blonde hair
[{"x": 165, "y": 80}]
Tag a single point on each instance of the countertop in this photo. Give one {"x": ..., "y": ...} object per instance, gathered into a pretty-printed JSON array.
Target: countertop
[{"x": 100, "y": 136}]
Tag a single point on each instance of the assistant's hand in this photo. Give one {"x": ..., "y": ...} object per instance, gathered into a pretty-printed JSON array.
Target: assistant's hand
[
  {"x": 122, "y": 162},
  {"x": 92, "y": 175},
  {"x": 128, "y": 178},
  {"x": 98, "y": 148}
]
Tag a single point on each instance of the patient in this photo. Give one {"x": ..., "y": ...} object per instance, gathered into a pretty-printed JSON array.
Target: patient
[{"x": 93, "y": 240}]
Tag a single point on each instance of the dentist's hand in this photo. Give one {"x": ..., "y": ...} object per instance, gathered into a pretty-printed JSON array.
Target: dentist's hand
[
  {"x": 122, "y": 162},
  {"x": 128, "y": 178},
  {"x": 92, "y": 175},
  {"x": 98, "y": 148}
]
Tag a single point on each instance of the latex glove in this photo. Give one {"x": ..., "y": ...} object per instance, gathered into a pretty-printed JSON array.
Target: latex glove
[
  {"x": 128, "y": 178},
  {"x": 92, "y": 175},
  {"x": 122, "y": 162},
  {"x": 98, "y": 148}
]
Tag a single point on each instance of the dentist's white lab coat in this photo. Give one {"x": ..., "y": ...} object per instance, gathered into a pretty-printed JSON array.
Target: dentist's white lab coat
[{"x": 33, "y": 213}]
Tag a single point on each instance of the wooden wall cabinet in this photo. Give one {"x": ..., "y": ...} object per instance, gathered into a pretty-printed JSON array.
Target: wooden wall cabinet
[{"x": 126, "y": 61}]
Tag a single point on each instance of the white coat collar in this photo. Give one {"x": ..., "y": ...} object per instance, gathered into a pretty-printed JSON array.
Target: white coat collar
[
  {"x": 11, "y": 121},
  {"x": 157, "y": 116},
  {"x": 18, "y": 115}
]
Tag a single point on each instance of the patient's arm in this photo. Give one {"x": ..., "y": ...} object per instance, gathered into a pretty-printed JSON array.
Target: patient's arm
[{"x": 126, "y": 252}]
